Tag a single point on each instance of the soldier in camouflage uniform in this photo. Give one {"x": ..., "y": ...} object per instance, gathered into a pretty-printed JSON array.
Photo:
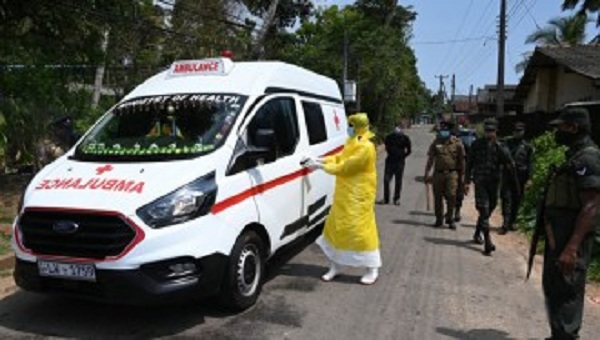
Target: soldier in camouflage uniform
[
  {"x": 571, "y": 215},
  {"x": 448, "y": 155},
  {"x": 513, "y": 191},
  {"x": 466, "y": 136},
  {"x": 484, "y": 167}
]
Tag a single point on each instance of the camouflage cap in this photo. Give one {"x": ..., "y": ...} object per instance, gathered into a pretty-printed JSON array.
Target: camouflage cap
[{"x": 576, "y": 115}]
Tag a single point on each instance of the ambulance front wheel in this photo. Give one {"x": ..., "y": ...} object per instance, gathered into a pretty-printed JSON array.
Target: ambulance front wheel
[{"x": 244, "y": 276}]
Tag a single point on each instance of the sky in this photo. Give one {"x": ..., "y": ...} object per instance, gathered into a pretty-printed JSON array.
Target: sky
[{"x": 460, "y": 37}]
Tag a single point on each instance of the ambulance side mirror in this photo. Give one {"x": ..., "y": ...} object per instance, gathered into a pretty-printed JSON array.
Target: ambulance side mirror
[{"x": 262, "y": 147}]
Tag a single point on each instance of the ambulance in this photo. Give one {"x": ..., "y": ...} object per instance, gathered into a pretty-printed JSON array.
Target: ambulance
[{"x": 185, "y": 188}]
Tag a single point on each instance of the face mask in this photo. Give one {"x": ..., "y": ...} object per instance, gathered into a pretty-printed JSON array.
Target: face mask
[
  {"x": 444, "y": 134},
  {"x": 351, "y": 131},
  {"x": 564, "y": 138},
  {"x": 398, "y": 130}
]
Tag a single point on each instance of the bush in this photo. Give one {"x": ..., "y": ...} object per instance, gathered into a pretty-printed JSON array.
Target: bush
[{"x": 547, "y": 153}]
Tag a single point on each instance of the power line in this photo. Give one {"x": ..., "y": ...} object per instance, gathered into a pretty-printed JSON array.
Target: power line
[
  {"x": 464, "y": 53},
  {"x": 528, "y": 8},
  {"x": 459, "y": 29},
  {"x": 443, "y": 42},
  {"x": 524, "y": 15}
]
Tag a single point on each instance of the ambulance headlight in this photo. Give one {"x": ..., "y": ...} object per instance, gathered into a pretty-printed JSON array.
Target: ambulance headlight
[{"x": 186, "y": 203}]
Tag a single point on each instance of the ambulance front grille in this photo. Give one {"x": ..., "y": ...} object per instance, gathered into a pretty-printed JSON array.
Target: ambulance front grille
[{"x": 97, "y": 236}]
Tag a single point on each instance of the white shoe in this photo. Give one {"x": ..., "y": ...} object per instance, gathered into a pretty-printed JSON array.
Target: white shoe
[
  {"x": 334, "y": 270},
  {"x": 370, "y": 277}
]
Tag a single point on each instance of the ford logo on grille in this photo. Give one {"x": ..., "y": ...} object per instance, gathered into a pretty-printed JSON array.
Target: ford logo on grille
[{"x": 65, "y": 227}]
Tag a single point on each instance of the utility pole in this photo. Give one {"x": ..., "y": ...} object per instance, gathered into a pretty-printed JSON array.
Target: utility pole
[
  {"x": 441, "y": 93},
  {"x": 453, "y": 91},
  {"x": 470, "y": 97},
  {"x": 501, "y": 55}
]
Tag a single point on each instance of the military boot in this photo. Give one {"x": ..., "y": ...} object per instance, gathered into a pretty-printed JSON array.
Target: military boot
[
  {"x": 488, "y": 247},
  {"x": 451, "y": 224},
  {"x": 477, "y": 239},
  {"x": 503, "y": 230},
  {"x": 457, "y": 216}
]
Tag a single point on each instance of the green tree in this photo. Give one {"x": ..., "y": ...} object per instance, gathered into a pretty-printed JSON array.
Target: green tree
[
  {"x": 566, "y": 31},
  {"x": 380, "y": 59},
  {"x": 591, "y": 6}
]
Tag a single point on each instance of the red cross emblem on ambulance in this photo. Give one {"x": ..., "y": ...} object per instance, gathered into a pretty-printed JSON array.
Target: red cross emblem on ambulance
[
  {"x": 102, "y": 169},
  {"x": 336, "y": 120}
]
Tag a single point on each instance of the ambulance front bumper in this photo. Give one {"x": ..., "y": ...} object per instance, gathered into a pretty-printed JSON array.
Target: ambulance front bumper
[{"x": 152, "y": 283}]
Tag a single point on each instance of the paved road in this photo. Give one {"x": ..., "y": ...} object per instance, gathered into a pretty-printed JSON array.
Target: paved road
[{"x": 434, "y": 285}]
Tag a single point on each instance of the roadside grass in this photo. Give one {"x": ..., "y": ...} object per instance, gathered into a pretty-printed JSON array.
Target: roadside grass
[
  {"x": 4, "y": 245},
  {"x": 6, "y": 273}
]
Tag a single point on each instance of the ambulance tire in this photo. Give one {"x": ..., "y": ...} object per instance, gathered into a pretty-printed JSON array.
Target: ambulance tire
[{"x": 244, "y": 277}]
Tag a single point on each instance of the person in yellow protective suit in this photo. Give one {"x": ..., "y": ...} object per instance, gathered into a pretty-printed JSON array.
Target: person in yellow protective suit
[{"x": 350, "y": 236}]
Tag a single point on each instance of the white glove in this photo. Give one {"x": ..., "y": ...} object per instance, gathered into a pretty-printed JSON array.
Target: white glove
[{"x": 310, "y": 163}]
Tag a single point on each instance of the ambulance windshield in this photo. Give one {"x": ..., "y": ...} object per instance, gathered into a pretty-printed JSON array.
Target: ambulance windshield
[{"x": 162, "y": 127}]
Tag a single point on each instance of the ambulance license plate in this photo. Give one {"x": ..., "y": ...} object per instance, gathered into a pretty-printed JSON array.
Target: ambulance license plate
[{"x": 74, "y": 271}]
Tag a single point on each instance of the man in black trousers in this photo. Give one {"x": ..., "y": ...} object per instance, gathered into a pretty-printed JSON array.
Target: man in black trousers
[{"x": 398, "y": 147}]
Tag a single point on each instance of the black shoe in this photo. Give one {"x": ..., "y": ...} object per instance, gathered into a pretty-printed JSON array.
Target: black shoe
[
  {"x": 438, "y": 224},
  {"x": 396, "y": 202},
  {"x": 489, "y": 249},
  {"x": 503, "y": 231},
  {"x": 452, "y": 226},
  {"x": 477, "y": 239},
  {"x": 457, "y": 217},
  {"x": 382, "y": 202}
]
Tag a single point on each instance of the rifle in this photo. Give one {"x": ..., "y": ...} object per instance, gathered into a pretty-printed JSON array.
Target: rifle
[{"x": 540, "y": 223}]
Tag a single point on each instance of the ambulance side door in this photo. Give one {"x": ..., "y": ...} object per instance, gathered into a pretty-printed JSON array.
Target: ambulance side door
[
  {"x": 273, "y": 136},
  {"x": 325, "y": 126}
]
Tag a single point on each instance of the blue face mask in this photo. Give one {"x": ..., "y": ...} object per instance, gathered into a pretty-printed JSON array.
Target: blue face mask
[
  {"x": 351, "y": 131},
  {"x": 444, "y": 134}
]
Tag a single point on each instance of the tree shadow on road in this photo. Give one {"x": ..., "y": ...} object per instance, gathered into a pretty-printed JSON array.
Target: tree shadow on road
[
  {"x": 413, "y": 223},
  {"x": 66, "y": 317},
  {"x": 421, "y": 213},
  {"x": 303, "y": 270},
  {"x": 419, "y": 179},
  {"x": 479, "y": 334},
  {"x": 31, "y": 314},
  {"x": 468, "y": 244}
]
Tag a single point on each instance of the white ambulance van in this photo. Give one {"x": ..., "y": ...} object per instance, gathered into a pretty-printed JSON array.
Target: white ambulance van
[{"x": 184, "y": 188}]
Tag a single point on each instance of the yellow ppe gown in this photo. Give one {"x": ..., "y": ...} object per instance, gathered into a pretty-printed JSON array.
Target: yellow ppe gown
[{"x": 350, "y": 235}]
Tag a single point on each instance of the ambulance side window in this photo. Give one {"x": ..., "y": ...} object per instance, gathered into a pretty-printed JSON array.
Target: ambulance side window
[
  {"x": 278, "y": 115},
  {"x": 315, "y": 123}
]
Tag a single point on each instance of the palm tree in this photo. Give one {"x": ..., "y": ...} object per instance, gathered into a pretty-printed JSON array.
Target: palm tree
[
  {"x": 586, "y": 6},
  {"x": 522, "y": 65},
  {"x": 566, "y": 31}
]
